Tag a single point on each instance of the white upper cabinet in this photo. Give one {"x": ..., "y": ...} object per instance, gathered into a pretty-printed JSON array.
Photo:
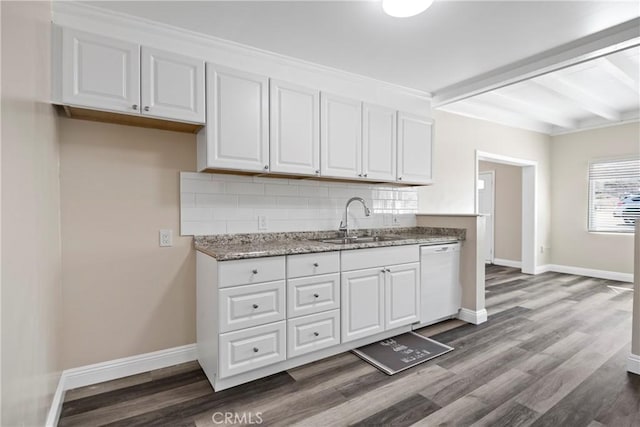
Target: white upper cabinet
[
  {"x": 172, "y": 86},
  {"x": 378, "y": 143},
  {"x": 340, "y": 137},
  {"x": 294, "y": 129},
  {"x": 414, "y": 149},
  {"x": 237, "y": 131},
  {"x": 99, "y": 72}
]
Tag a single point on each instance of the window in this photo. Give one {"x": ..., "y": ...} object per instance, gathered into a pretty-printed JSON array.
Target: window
[{"x": 614, "y": 195}]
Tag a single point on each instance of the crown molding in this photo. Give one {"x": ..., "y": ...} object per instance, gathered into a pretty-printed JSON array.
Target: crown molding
[{"x": 94, "y": 19}]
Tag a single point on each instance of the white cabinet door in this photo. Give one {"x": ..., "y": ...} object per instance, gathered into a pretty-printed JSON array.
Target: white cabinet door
[
  {"x": 340, "y": 137},
  {"x": 172, "y": 86},
  {"x": 402, "y": 295},
  {"x": 237, "y": 132},
  {"x": 100, "y": 72},
  {"x": 294, "y": 129},
  {"x": 414, "y": 149},
  {"x": 379, "y": 143},
  {"x": 362, "y": 303}
]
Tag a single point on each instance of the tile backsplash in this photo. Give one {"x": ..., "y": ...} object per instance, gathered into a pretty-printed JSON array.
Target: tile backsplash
[{"x": 221, "y": 203}]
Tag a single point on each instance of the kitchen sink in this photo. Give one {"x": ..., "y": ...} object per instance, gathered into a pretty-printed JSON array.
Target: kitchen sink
[{"x": 367, "y": 239}]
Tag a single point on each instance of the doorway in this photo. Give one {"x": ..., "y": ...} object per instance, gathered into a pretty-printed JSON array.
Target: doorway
[
  {"x": 487, "y": 207},
  {"x": 529, "y": 203}
]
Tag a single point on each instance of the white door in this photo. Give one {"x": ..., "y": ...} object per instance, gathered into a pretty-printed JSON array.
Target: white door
[
  {"x": 362, "y": 304},
  {"x": 237, "y": 119},
  {"x": 100, "y": 72},
  {"x": 379, "y": 145},
  {"x": 414, "y": 149},
  {"x": 340, "y": 136},
  {"x": 172, "y": 86},
  {"x": 294, "y": 129},
  {"x": 486, "y": 206},
  {"x": 402, "y": 295}
]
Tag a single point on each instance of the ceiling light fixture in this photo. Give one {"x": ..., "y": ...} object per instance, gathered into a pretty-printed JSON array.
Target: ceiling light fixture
[{"x": 405, "y": 8}]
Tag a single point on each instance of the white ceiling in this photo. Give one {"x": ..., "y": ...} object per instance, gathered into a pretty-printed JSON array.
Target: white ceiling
[
  {"x": 595, "y": 93},
  {"x": 451, "y": 42}
]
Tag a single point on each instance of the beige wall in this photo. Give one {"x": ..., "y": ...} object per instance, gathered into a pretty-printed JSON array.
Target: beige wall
[
  {"x": 572, "y": 244},
  {"x": 508, "y": 210},
  {"x": 456, "y": 140},
  {"x": 31, "y": 285},
  {"x": 123, "y": 294}
]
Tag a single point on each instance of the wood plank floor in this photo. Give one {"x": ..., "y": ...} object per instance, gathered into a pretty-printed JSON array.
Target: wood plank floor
[{"x": 552, "y": 353}]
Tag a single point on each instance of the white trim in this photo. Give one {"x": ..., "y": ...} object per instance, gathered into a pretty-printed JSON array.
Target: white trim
[
  {"x": 602, "y": 43},
  {"x": 633, "y": 364},
  {"x": 507, "y": 263},
  {"x": 120, "y": 368},
  {"x": 589, "y": 272},
  {"x": 471, "y": 316},
  {"x": 597, "y": 126},
  {"x": 56, "y": 405},
  {"x": 492, "y": 215},
  {"x": 115, "y": 369},
  {"x": 542, "y": 269}
]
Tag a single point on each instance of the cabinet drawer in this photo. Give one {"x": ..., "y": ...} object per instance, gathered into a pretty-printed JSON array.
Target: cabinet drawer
[
  {"x": 252, "y": 348},
  {"x": 248, "y": 271},
  {"x": 311, "y": 264},
  {"x": 358, "y": 259},
  {"x": 311, "y": 333},
  {"x": 251, "y": 305},
  {"x": 313, "y": 294}
]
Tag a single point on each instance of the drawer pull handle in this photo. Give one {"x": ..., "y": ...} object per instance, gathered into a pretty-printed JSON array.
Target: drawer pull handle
[
  {"x": 316, "y": 295},
  {"x": 316, "y": 334},
  {"x": 255, "y": 349},
  {"x": 255, "y": 305},
  {"x": 254, "y": 271},
  {"x": 315, "y": 264}
]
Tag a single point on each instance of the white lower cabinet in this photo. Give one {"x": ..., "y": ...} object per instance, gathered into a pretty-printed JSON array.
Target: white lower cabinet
[
  {"x": 402, "y": 295},
  {"x": 251, "y": 348},
  {"x": 311, "y": 333},
  {"x": 308, "y": 295},
  {"x": 362, "y": 303},
  {"x": 251, "y": 305}
]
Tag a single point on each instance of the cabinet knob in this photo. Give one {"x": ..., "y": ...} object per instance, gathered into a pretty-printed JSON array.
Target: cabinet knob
[
  {"x": 254, "y": 271},
  {"x": 316, "y": 333},
  {"x": 383, "y": 270},
  {"x": 255, "y": 306},
  {"x": 365, "y": 175},
  {"x": 266, "y": 167},
  {"x": 146, "y": 108},
  {"x": 315, "y": 264},
  {"x": 134, "y": 106},
  {"x": 316, "y": 295},
  {"x": 360, "y": 175},
  {"x": 387, "y": 270},
  {"x": 256, "y": 349},
  {"x": 318, "y": 172},
  {"x": 399, "y": 178}
]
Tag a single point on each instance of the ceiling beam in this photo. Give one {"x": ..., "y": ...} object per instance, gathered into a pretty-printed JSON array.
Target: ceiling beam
[
  {"x": 602, "y": 43},
  {"x": 614, "y": 67},
  {"x": 529, "y": 109},
  {"x": 583, "y": 99}
]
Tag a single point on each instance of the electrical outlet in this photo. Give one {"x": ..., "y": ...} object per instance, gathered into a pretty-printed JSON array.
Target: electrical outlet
[
  {"x": 262, "y": 222},
  {"x": 166, "y": 238}
]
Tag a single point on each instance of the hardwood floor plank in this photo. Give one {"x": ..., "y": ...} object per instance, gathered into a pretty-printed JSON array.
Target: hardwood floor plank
[
  {"x": 509, "y": 414},
  {"x": 403, "y": 413}
]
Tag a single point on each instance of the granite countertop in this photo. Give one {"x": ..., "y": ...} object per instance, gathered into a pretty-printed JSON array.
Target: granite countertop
[{"x": 241, "y": 246}]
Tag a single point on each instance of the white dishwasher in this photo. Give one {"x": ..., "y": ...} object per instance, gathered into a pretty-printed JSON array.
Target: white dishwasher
[{"x": 441, "y": 292}]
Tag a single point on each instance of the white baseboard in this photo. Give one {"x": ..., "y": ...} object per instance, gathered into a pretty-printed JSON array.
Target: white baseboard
[
  {"x": 633, "y": 364},
  {"x": 543, "y": 269},
  {"x": 471, "y": 316},
  {"x": 114, "y": 369},
  {"x": 56, "y": 405},
  {"x": 507, "y": 263},
  {"x": 600, "y": 274}
]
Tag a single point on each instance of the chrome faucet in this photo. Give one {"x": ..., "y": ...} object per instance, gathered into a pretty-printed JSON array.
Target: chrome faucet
[{"x": 344, "y": 224}]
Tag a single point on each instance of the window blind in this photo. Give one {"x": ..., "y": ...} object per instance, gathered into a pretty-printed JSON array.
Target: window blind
[{"x": 614, "y": 195}]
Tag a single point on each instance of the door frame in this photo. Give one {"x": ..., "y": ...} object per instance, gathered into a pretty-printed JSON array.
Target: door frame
[
  {"x": 493, "y": 214},
  {"x": 529, "y": 203}
]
